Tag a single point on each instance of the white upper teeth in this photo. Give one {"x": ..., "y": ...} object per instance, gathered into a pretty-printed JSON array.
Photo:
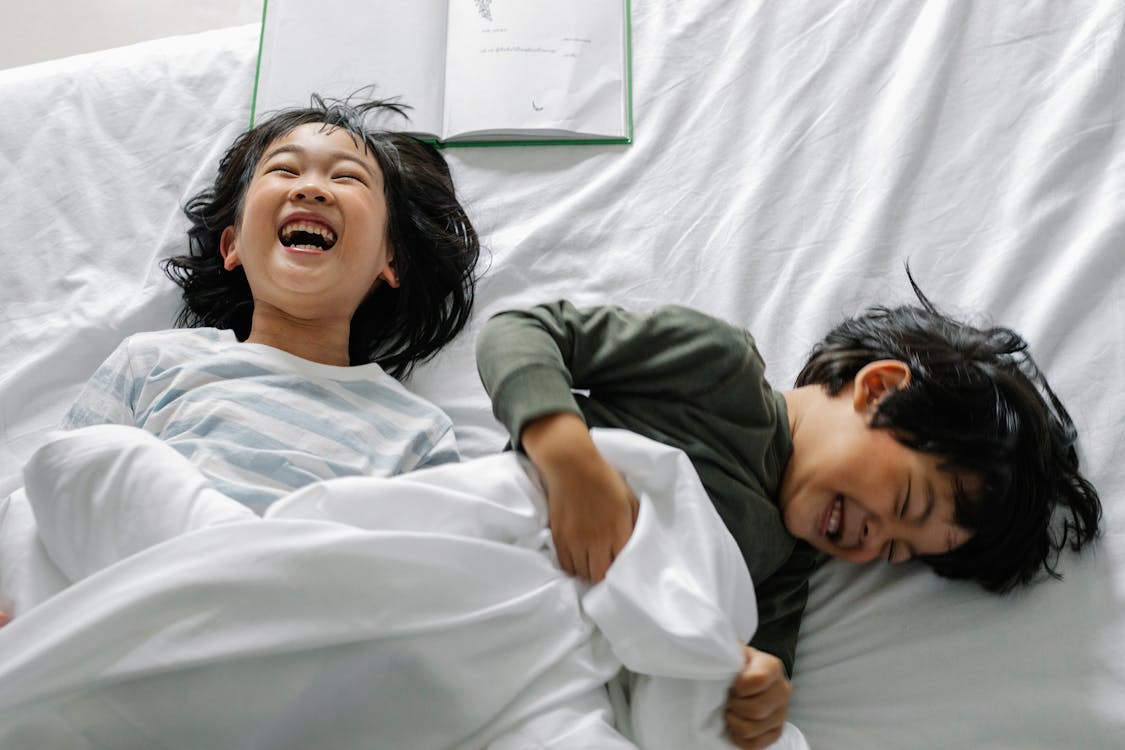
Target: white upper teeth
[
  {"x": 834, "y": 519},
  {"x": 300, "y": 226}
]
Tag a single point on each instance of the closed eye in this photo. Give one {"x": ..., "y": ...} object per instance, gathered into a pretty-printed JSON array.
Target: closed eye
[{"x": 901, "y": 515}]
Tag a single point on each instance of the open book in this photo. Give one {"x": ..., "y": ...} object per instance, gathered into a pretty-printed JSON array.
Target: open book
[{"x": 473, "y": 71}]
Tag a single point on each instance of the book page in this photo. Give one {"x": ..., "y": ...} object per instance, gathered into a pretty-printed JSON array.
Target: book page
[
  {"x": 552, "y": 65},
  {"x": 336, "y": 47}
]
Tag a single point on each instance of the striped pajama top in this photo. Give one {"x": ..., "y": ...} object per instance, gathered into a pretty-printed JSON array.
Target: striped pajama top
[{"x": 260, "y": 422}]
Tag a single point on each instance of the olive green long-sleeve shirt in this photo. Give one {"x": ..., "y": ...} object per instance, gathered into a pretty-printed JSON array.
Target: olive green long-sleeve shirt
[{"x": 684, "y": 379}]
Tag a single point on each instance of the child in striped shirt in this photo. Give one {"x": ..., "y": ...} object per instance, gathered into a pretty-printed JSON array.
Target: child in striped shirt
[{"x": 324, "y": 262}]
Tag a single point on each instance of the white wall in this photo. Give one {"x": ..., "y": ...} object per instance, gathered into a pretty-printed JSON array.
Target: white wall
[{"x": 37, "y": 30}]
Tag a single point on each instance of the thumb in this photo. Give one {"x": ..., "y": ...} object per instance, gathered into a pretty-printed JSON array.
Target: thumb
[{"x": 759, "y": 671}]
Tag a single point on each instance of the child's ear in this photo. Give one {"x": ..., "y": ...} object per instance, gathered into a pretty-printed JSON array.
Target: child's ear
[
  {"x": 228, "y": 247},
  {"x": 389, "y": 274},
  {"x": 878, "y": 379}
]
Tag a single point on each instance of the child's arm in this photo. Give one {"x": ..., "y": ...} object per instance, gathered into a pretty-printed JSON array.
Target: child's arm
[
  {"x": 102, "y": 493},
  {"x": 592, "y": 510},
  {"x": 529, "y": 361}
]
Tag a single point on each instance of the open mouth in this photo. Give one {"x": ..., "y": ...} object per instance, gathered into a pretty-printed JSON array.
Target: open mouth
[
  {"x": 307, "y": 235},
  {"x": 834, "y": 524}
]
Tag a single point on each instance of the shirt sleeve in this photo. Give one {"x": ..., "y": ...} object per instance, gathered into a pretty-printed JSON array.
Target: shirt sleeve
[
  {"x": 444, "y": 451},
  {"x": 109, "y": 395},
  {"x": 529, "y": 360},
  {"x": 781, "y": 603}
]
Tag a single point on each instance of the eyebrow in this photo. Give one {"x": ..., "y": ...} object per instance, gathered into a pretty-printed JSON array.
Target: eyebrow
[
  {"x": 927, "y": 511},
  {"x": 336, "y": 154},
  {"x": 930, "y": 501}
]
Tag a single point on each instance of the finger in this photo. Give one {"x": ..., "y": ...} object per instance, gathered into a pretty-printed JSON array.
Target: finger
[
  {"x": 750, "y": 684},
  {"x": 566, "y": 562},
  {"x": 762, "y": 671},
  {"x": 761, "y": 704},
  {"x": 600, "y": 558},
  {"x": 743, "y": 728},
  {"x": 759, "y": 742},
  {"x": 774, "y": 703},
  {"x": 752, "y": 721},
  {"x": 581, "y": 563}
]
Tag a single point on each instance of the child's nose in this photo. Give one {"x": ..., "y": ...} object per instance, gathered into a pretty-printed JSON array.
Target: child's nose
[
  {"x": 873, "y": 533},
  {"x": 310, "y": 191},
  {"x": 869, "y": 543},
  {"x": 877, "y": 531}
]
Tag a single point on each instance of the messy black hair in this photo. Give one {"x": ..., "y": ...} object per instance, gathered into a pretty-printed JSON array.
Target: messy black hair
[
  {"x": 435, "y": 245},
  {"x": 977, "y": 399}
]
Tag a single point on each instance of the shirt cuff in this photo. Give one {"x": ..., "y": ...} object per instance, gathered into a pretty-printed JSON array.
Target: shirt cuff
[{"x": 532, "y": 392}]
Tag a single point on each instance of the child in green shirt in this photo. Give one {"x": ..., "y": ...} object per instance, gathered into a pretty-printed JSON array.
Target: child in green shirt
[{"x": 908, "y": 436}]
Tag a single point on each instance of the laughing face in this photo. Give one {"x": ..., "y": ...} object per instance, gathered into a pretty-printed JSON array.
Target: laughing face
[
  {"x": 855, "y": 492},
  {"x": 312, "y": 237}
]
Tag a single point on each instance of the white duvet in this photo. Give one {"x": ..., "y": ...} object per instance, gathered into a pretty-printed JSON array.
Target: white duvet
[{"x": 422, "y": 611}]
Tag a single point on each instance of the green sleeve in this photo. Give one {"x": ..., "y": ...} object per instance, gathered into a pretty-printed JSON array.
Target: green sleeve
[
  {"x": 529, "y": 360},
  {"x": 781, "y": 603}
]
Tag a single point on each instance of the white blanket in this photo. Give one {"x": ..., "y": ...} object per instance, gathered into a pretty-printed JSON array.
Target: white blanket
[{"x": 423, "y": 611}]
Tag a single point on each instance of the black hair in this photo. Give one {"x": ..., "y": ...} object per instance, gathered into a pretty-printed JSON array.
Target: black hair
[
  {"x": 435, "y": 246},
  {"x": 977, "y": 399}
]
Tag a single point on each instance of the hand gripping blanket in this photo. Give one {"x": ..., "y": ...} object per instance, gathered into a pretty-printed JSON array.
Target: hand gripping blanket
[{"x": 421, "y": 611}]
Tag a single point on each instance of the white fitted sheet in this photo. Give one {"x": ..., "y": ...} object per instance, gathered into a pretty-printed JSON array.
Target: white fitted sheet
[{"x": 788, "y": 159}]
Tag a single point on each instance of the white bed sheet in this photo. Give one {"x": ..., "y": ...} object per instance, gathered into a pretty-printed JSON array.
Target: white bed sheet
[
  {"x": 788, "y": 158},
  {"x": 461, "y": 632}
]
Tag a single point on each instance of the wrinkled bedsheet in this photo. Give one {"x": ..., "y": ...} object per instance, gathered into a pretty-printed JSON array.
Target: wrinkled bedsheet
[
  {"x": 788, "y": 160},
  {"x": 422, "y": 611}
]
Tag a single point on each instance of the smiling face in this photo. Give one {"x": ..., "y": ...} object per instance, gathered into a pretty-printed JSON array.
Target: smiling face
[
  {"x": 855, "y": 492},
  {"x": 312, "y": 236}
]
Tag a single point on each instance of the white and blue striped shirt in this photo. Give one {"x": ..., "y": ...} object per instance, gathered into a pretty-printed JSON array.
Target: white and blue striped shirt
[{"x": 260, "y": 422}]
